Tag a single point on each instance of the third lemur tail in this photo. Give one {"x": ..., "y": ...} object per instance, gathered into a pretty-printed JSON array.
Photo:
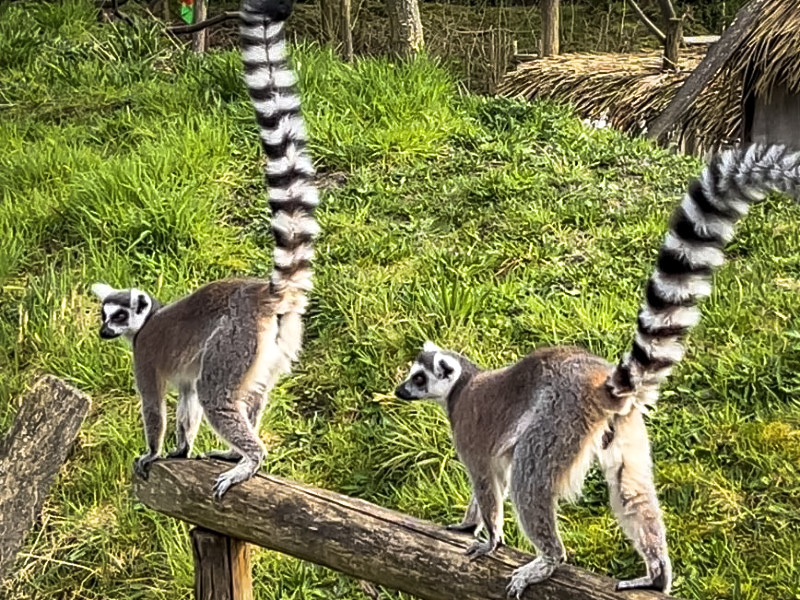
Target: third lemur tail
[
  {"x": 271, "y": 84},
  {"x": 699, "y": 230}
]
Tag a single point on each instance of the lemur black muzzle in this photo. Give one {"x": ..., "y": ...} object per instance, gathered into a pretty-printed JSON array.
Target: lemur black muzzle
[
  {"x": 401, "y": 392},
  {"x": 107, "y": 333}
]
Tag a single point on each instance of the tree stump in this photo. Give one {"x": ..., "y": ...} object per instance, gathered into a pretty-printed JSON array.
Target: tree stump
[{"x": 31, "y": 454}]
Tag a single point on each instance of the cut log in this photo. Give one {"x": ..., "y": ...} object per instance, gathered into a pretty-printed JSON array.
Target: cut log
[
  {"x": 31, "y": 454},
  {"x": 355, "y": 537}
]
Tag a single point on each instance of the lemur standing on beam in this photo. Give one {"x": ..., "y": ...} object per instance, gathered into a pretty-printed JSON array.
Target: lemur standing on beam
[
  {"x": 225, "y": 345},
  {"x": 533, "y": 428}
]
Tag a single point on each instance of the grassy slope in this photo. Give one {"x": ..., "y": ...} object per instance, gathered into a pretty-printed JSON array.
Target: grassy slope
[{"x": 487, "y": 225}]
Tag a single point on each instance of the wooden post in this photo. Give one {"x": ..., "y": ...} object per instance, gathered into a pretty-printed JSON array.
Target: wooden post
[
  {"x": 673, "y": 36},
  {"x": 355, "y": 537},
  {"x": 199, "y": 37},
  {"x": 221, "y": 567},
  {"x": 550, "y": 22},
  {"x": 31, "y": 455},
  {"x": 347, "y": 31}
]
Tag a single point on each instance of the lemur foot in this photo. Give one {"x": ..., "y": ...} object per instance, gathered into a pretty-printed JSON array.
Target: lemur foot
[
  {"x": 479, "y": 549},
  {"x": 241, "y": 472},
  {"x": 141, "y": 466},
  {"x": 228, "y": 455},
  {"x": 659, "y": 578},
  {"x": 535, "y": 571}
]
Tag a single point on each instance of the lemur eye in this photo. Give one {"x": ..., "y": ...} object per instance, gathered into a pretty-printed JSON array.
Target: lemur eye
[
  {"x": 419, "y": 379},
  {"x": 119, "y": 317}
]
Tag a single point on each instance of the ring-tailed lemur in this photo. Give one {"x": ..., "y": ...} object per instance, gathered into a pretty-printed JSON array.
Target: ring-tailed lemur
[
  {"x": 225, "y": 345},
  {"x": 533, "y": 428}
]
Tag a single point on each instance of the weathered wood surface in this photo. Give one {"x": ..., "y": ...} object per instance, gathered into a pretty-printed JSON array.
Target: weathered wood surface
[
  {"x": 31, "y": 454},
  {"x": 221, "y": 567},
  {"x": 714, "y": 60},
  {"x": 354, "y": 536},
  {"x": 199, "y": 36}
]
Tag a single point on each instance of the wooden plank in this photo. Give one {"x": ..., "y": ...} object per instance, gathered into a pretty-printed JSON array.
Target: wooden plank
[
  {"x": 355, "y": 537},
  {"x": 31, "y": 454},
  {"x": 221, "y": 567},
  {"x": 716, "y": 58}
]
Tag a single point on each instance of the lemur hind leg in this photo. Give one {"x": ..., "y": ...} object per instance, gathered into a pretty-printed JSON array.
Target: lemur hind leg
[
  {"x": 255, "y": 407},
  {"x": 629, "y": 472},
  {"x": 188, "y": 417},
  {"x": 545, "y": 469},
  {"x": 225, "y": 388}
]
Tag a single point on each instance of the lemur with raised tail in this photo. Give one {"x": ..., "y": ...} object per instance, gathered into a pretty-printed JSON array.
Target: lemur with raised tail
[
  {"x": 225, "y": 345},
  {"x": 534, "y": 428}
]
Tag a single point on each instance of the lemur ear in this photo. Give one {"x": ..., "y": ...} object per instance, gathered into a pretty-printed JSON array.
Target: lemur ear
[
  {"x": 429, "y": 346},
  {"x": 445, "y": 366},
  {"x": 102, "y": 290},
  {"x": 140, "y": 301}
]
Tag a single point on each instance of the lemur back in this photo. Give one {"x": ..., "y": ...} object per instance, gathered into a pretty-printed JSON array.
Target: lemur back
[
  {"x": 225, "y": 345},
  {"x": 532, "y": 429}
]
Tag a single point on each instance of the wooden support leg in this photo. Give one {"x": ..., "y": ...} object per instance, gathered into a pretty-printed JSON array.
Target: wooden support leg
[{"x": 221, "y": 567}]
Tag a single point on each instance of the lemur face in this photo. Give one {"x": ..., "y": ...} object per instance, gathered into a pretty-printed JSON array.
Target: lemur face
[
  {"x": 124, "y": 312},
  {"x": 432, "y": 375}
]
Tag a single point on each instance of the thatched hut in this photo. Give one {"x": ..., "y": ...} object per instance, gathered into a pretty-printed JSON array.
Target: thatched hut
[{"x": 747, "y": 87}]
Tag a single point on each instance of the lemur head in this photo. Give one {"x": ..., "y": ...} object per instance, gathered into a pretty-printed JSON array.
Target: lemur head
[
  {"x": 124, "y": 312},
  {"x": 432, "y": 375}
]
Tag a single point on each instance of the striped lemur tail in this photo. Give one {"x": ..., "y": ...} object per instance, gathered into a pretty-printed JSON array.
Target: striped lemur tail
[
  {"x": 272, "y": 86},
  {"x": 699, "y": 230}
]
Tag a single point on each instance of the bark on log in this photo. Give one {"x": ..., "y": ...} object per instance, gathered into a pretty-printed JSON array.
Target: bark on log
[
  {"x": 355, "y": 537},
  {"x": 221, "y": 567},
  {"x": 347, "y": 31},
  {"x": 550, "y": 30},
  {"x": 199, "y": 37},
  {"x": 31, "y": 454},
  {"x": 406, "y": 27},
  {"x": 716, "y": 58}
]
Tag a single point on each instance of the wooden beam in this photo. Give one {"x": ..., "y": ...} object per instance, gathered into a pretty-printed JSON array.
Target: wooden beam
[
  {"x": 31, "y": 454},
  {"x": 708, "y": 68},
  {"x": 355, "y": 537},
  {"x": 221, "y": 567}
]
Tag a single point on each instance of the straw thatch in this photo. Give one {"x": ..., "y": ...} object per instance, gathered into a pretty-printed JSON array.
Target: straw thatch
[
  {"x": 773, "y": 48},
  {"x": 628, "y": 91}
]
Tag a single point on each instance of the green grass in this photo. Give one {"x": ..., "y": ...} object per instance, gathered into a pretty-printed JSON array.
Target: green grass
[{"x": 487, "y": 225}]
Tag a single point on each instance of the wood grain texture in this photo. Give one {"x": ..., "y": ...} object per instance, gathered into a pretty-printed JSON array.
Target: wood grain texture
[
  {"x": 355, "y": 537},
  {"x": 31, "y": 454},
  {"x": 221, "y": 567}
]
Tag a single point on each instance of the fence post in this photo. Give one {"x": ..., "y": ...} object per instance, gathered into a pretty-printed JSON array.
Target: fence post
[{"x": 221, "y": 566}]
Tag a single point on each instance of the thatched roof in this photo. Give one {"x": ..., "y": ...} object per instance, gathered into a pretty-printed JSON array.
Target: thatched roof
[
  {"x": 773, "y": 46},
  {"x": 628, "y": 90}
]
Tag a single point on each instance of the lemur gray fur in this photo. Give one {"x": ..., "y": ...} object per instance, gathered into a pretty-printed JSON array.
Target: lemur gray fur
[
  {"x": 225, "y": 345},
  {"x": 533, "y": 428}
]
